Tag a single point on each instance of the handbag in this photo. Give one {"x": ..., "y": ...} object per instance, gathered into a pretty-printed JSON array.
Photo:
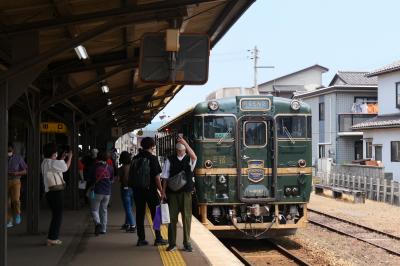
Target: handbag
[
  {"x": 157, "y": 219},
  {"x": 165, "y": 219},
  {"x": 177, "y": 181},
  {"x": 55, "y": 180}
]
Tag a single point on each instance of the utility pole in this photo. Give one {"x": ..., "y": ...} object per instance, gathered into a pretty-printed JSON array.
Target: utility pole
[{"x": 255, "y": 57}]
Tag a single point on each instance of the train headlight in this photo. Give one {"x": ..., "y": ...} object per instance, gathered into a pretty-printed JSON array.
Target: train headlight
[
  {"x": 295, "y": 191},
  {"x": 295, "y": 105},
  {"x": 208, "y": 164},
  {"x": 222, "y": 179},
  {"x": 213, "y": 105},
  {"x": 288, "y": 191},
  {"x": 302, "y": 163}
]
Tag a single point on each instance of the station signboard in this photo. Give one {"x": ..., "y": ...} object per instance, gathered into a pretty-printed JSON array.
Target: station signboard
[{"x": 53, "y": 127}]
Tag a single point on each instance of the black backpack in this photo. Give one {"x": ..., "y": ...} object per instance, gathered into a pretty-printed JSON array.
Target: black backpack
[{"x": 139, "y": 173}]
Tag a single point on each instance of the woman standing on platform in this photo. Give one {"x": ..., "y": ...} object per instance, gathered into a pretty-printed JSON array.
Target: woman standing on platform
[
  {"x": 126, "y": 192},
  {"x": 54, "y": 185},
  {"x": 100, "y": 178}
]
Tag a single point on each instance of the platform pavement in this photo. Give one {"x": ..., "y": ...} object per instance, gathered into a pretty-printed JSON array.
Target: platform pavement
[{"x": 81, "y": 247}]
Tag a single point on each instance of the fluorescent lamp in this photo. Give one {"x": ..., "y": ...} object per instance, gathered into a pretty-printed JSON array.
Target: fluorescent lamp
[
  {"x": 109, "y": 102},
  {"x": 81, "y": 52},
  {"x": 105, "y": 88}
]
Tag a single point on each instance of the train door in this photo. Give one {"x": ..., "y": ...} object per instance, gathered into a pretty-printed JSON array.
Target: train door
[{"x": 255, "y": 158}]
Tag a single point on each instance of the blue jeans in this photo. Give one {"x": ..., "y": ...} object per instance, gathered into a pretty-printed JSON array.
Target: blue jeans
[
  {"x": 99, "y": 210},
  {"x": 128, "y": 202}
]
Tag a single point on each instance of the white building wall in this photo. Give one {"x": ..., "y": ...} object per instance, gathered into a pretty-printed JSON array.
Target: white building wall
[
  {"x": 384, "y": 137},
  {"x": 313, "y": 102},
  {"x": 387, "y": 93},
  {"x": 310, "y": 79}
]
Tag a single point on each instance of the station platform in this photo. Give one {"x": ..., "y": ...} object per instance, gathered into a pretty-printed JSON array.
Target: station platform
[{"x": 81, "y": 247}]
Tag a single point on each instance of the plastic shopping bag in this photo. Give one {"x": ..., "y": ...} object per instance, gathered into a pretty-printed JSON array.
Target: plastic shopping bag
[
  {"x": 164, "y": 213},
  {"x": 157, "y": 219}
]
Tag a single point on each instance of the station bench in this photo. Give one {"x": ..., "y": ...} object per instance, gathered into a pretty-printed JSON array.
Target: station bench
[{"x": 355, "y": 196}]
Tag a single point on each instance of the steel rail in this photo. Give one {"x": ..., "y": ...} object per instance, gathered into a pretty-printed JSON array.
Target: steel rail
[
  {"x": 352, "y": 236},
  {"x": 355, "y": 224},
  {"x": 288, "y": 254},
  {"x": 277, "y": 247}
]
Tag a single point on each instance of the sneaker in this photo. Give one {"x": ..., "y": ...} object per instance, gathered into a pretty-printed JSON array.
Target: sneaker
[
  {"x": 171, "y": 248},
  {"x": 160, "y": 242},
  {"x": 131, "y": 229},
  {"x": 56, "y": 242},
  {"x": 10, "y": 224},
  {"x": 142, "y": 243},
  {"x": 187, "y": 248},
  {"x": 97, "y": 229},
  {"x": 17, "y": 219},
  {"x": 102, "y": 233}
]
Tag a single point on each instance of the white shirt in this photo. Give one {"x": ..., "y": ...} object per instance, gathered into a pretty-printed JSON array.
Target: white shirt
[
  {"x": 167, "y": 166},
  {"x": 52, "y": 165}
]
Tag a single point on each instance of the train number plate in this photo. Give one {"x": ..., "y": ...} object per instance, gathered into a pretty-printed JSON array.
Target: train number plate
[{"x": 255, "y": 104}]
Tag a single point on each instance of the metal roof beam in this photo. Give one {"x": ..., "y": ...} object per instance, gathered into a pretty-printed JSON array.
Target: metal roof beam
[
  {"x": 140, "y": 10},
  {"x": 84, "y": 86},
  {"x": 69, "y": 44}
]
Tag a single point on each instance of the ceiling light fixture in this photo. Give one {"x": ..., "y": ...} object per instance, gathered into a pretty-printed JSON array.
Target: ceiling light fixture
[
  {"x": 109, "y": 102},
  {"x": 105, "y": 88},
  {"x": 81, "y": 52}
]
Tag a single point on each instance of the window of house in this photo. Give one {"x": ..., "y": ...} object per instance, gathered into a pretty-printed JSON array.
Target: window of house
[
  {"x": 368, "y": 148},
  {"x": 395, "y": 151},
  {"x": 321, "y": 151},
  {"x": 398, "y": 95},
  {"x": 321, "y": 111},
  {"x": 378, "y": 152}
]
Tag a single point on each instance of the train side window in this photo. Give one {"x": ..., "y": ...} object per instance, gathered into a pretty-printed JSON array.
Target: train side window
[
  {"x": 309, "y": 127},
  {"x": 198, "y": 127},
  {"x": 217, "y": 127},
  {"x": 291, "y": 126},
  {"x": 255, "y": 134}
]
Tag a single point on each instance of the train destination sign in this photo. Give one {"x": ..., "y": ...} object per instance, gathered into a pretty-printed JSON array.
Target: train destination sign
[
  {"x": 53, "y": 127},
  {"x": 255, "y": 104}
]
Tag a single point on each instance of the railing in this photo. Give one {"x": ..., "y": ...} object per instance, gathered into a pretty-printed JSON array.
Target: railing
[{"x": 346, "y": 121}]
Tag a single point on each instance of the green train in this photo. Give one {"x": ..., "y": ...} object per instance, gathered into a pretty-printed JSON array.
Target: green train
[{"x": 253, "y": 173}]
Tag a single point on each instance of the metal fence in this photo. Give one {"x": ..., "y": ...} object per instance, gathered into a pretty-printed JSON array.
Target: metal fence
[{"x": 375, "y": 187}]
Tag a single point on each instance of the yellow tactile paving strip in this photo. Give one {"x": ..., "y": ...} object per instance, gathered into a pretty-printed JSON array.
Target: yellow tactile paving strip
[{"x": 168, "y": 258}]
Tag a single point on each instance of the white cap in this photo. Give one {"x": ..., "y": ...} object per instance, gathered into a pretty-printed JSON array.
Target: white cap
[
  {"x": 94, "y": 152},
  {"x": 180, "y": 146}
]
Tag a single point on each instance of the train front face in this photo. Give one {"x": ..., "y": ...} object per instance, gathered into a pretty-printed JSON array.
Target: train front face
[{"x": 253, "y": 176}]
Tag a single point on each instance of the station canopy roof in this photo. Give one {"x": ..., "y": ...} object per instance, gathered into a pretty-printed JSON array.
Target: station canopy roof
[{"x": 110, "y": 31}]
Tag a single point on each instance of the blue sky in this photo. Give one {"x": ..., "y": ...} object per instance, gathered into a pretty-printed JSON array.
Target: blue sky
[{"x": 358, "y": 35}]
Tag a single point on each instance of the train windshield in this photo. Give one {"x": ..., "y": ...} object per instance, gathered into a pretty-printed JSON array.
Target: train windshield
[
  {"x": 255, "y": 133},
  {"x": 219, "y": 127},
  {"x": 291, "y": 126}
]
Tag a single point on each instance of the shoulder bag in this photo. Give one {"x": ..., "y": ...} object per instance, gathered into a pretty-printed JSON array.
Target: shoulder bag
[
  {"x": 55, "y": 180},
  {"x": 177, "y": 181}
]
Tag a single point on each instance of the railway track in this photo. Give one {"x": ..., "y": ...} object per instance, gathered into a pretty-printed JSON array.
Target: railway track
[
  {"x": 263, "y": 252},
  {"x": 379, "y": 239}
]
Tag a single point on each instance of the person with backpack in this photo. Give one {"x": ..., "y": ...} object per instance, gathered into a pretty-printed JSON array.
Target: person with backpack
[
  {"x": 144, "y": 178},
  {"x": 100, "y": 181},
  {"x": 179, "y": 166}
]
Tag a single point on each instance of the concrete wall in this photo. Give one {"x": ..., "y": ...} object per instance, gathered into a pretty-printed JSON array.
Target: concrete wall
[
  {"x": 384, "y": 137},
  {"x": 387, "y": 93}
]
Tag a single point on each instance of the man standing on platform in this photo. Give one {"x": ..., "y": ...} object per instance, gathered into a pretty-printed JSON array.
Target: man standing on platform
[
  {"x": 16, "y": 168},
  {"x": 180, "y": 201}
]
